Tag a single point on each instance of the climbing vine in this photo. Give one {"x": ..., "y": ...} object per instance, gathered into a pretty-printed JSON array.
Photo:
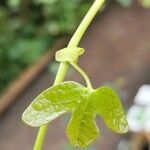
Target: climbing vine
[{"x": 84, "y": 103}]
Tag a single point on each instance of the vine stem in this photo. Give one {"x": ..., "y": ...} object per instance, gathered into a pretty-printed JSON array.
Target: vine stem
[
  {"x": 64, "y": 65},
  {"x": 83, "y": 74}
]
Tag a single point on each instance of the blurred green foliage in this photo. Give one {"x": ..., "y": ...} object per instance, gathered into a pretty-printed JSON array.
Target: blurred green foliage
[
  {"x": 29, "y": 27},
  {"x": 128, "y": 3},
  {"x": 125, "y": 3}
]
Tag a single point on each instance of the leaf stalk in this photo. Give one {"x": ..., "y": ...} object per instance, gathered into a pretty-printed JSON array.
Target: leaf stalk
[{"x": 85, "y": 76}]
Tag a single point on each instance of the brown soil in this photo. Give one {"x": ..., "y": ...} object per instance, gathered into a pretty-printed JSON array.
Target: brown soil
[{"x": 117, "y": 51}]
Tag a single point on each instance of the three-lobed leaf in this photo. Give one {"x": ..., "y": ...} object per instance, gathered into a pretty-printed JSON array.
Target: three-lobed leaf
[{"x": 84, "y": 104}]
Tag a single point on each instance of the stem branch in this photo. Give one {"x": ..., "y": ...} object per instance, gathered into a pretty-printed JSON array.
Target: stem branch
[
  {"x": 64, "y": 66},
  {"x": 83, "y": 74}
]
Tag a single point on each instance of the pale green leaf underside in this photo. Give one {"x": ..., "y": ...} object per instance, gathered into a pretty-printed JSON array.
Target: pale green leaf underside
[
  {"x": 53, "y": 102},
  {"x": 84, "y": 106}
]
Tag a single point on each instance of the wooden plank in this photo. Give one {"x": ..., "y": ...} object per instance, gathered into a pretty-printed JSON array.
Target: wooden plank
[
  {"x": 140, "y": 140},
  {"x": 147, "y": 136},
  {"x": 17, "y": 86}
]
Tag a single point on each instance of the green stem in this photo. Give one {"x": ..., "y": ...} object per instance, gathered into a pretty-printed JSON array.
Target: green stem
[
  {"x": 64, "y": 66},
  {"x": 85, "y": 23},
  {"x": 83, "y": 74}
]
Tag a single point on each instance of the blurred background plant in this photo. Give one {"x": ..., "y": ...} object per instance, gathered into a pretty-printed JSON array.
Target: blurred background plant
[
  {"x": 29, "y": 27},
  {"x": 128, "y": 3}
]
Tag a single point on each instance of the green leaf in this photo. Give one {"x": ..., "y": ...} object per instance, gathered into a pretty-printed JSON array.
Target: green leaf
[
  {"x": 108, "y": 105},
  {"x": 53, "y": 102},
  {"x": 84, "y": 104},
  {"x": 70, "y": 147},
  {"x": 82, "y": 129},
  {"x": 145, "y": 3}
]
